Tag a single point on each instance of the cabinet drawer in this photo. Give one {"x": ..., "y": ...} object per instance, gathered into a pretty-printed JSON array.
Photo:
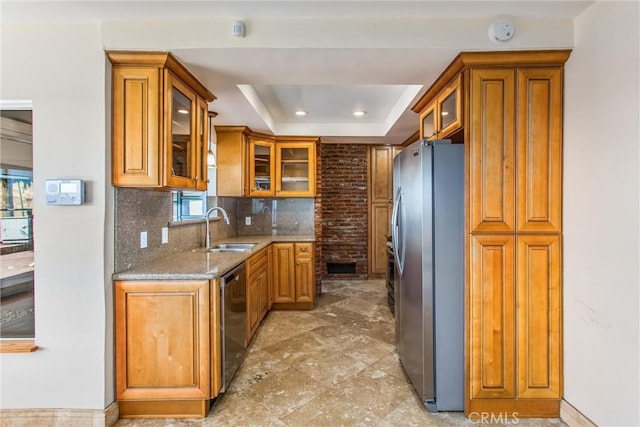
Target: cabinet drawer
[
  {"x": 255, "y": 263},
  {"x": 303, "y": 250}
]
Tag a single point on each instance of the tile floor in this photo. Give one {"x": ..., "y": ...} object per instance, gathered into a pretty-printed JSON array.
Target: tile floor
[{"x": 333, "y": 366}]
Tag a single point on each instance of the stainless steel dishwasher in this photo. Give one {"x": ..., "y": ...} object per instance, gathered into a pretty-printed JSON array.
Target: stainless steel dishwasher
[{"x": 233, "y": 322}]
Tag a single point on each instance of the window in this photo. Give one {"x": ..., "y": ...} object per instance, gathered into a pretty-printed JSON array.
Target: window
[
  {"x": 189, "y": 205},
  {"x": 16, "y": 222}
]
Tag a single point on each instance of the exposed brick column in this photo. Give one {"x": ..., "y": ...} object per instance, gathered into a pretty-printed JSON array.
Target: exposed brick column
[
  {"x": 318, "y": 219},
  {"x": 344, "y": 208}
]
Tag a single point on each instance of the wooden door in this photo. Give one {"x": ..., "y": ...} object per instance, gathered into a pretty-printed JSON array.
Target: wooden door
[
  {"x": 162, "y": 340},
  {"x": 216, "y": 343},
  {"x": 202, "y": 145},
  {"x": 261, "y": 168},
  {"x": 304, "y": 272},
  {"x": 263, "y": 292},
  {"x": 539, "y": 316},
  {"x": 492, "y": 150},
  {"x": 449, "y": 108},
  {"x": 429, "y": 122},
  {"x": 380, "y": 203},
  {"x": 492, "y": 317},
  {"x": 539, "y": 150},
  {"x": 295, "y": 169},
  {"x": 136, "y": 127},
  {"x": 284, "y": 290},
  {"x": 252, "y": 305}
]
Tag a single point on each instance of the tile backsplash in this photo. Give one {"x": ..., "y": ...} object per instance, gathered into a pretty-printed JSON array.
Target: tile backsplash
[
  {"x": 138, "y": 210},
  {"x": 275, "y": 216}
]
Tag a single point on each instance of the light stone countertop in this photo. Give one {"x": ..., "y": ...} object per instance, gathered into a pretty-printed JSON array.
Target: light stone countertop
[{"x": 198, "y": 264}]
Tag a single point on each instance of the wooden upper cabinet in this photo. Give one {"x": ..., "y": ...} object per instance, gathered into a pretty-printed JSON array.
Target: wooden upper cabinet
[
  {"x": 232, "y": 160},
  {"x": 159, "y": 122},
  {"x": 443, "y": 115},
  {"x": 429, "y": 122},
  {"x": 539, "y": 150},
  {"x": 449, "y": 104},
  {"x": 295, "y": 167},
  {"x": 136, "y": 129},
  {"x": 259, "y": 165},
  {"x": 381, "y": 174},
  {"x": 492, "y": 150}
]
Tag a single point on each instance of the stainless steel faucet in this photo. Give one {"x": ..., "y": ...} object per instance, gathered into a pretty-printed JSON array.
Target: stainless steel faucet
[{"x": 207, "y": 237}]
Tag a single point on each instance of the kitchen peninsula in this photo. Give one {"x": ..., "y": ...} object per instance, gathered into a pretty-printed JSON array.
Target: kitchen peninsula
[{"x": 169, "y": 326}]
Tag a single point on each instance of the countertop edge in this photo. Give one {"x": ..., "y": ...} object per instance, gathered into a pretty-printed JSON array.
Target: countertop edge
[{"x": 198, "y": 264}]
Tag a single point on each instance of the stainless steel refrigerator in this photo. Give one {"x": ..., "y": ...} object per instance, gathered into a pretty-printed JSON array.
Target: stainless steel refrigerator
[{"x": 428, "y": 242}]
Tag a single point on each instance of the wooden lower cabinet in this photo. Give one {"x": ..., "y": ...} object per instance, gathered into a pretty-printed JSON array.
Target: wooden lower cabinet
[
  {"x": 293, "y": 276},
  {"x": 515, "y": 325},
  {"x": 491, "y": 316},
  {"x": 167, "y": 347},
  {"x": 258, "y": 284},
  {"x": 539, "y": 316}
]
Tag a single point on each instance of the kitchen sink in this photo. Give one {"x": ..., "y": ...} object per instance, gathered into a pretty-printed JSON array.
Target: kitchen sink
[{"x": 232, "y": 247}]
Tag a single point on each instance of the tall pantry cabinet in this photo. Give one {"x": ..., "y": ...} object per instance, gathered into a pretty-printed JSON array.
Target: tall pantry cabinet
[{"x": 512, "y": 131}]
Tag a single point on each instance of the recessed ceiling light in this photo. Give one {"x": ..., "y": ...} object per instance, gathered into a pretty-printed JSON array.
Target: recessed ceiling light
[
  {"x": 359, "y": 113},
  {"x": 183, "y": 111},
  {"x": 301, "y": 113}
]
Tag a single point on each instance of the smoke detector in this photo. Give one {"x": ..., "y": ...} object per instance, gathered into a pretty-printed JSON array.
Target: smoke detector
[{"x": 501, "y": 30}]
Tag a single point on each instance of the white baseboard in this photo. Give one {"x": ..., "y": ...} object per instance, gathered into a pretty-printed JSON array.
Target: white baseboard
[
  {"x": 573, "y": 417},
  {"x": 66, "y": 417}
]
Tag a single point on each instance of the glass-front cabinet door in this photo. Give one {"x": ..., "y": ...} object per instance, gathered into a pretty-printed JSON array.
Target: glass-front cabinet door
[
  {"x": 428, "y": 122},
  {"x": 450, "y": 108},
  {"x": 261, "y": 168},
  {"x": 181, "y": 132},
  {"x": 202, "y": 146},
  {"x": 295, "y": 172}
]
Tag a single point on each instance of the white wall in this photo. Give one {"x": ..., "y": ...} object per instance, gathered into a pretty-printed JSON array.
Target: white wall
[
  {"x": 61, "y": 68},
  {"x": 601, "y": 215}
]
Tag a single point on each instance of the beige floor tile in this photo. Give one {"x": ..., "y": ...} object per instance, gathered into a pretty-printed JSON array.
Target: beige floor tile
[
  {"x": 333, "y": 366},
  {"x": 286, "y": 391},
  {"x": 330, "y": 367}
]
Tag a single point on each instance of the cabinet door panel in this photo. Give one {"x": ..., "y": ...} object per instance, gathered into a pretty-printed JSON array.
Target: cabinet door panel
[
  {"x": 381, "y": 175},
  {"x": 380, "y": 228},
  {"x": 295, "y": 169},
  {"x": 283, "y": 273},
  {"x": 162, "y": 340},
  {"x": 202, "y": 146},
  {"x": 180, "y": 134},
  {"x": 136, "y": 133},
  {"x": 261, "y": 168},
  {"x": 492, "y": 328},
  {"x": 428, "y": 122},
  {"x": 449, "y": 111},
  {"x": 492, "y": 143},
  {"x": 305, "y": 282},
  {"x": 539, "y": 150},
  {"x": 538, "y": 314}
]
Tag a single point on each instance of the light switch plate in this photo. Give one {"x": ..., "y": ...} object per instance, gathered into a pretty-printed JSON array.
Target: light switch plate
[
  {"x": 165, "y": 235},
  {"x": 143, "y": 239},
  {"x": 247, "y": 220}
]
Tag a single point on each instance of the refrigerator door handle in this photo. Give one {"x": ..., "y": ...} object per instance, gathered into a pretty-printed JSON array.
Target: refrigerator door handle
[{"x": 395, "y": 230}]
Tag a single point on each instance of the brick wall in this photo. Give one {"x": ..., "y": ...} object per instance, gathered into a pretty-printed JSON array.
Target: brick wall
[
  {"x": 344, "y": 208},
  {"x": 318, "y": 219}
]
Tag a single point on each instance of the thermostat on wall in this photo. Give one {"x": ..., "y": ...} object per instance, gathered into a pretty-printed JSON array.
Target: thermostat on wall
[{"x": 65, "y": 192}]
